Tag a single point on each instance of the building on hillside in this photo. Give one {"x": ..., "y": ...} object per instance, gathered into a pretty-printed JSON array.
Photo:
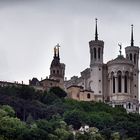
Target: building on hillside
[
  {"x": 116, "y": 82},
  {"x": 10, "y": 84},
  {"x": 57, "y": 73}
]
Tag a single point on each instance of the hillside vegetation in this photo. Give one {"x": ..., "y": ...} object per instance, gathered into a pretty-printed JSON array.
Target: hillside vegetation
[{"x": 26, "y": 114}]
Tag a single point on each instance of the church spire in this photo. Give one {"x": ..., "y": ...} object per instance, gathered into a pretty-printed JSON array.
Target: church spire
[
  {"x": 120, "y": 45},
  {"x": 58, "y": 50},
  {"x": 54, "y": 52},
  {"x": 132, "y": 40},
  {"x": 96, "y": 32}
]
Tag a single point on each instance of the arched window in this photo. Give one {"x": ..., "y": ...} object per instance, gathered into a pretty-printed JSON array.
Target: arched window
[
  {"x": 77, "y": 95},
  {"x": 90, "y": 85},
  {"x": 99, "y": 52},
  {"x": 130, "y": 56},
  {"x": 125, "y": 83},
  {"x": 113, "y": 84},
  {"x": 88, "y": 96},
  {"x": 53, "y": 71},
  {"x": 135, "y": 58},
  {"x": 95, "y": 53},
  {"x": 119, "y": 81},
  {"x": 127, "y": 56},
  {"x": 91, "y": 55},
  {"x": 129, "y": 106}
]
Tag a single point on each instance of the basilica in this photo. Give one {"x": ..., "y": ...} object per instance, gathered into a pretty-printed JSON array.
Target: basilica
[{"x": 115, "y": 82}]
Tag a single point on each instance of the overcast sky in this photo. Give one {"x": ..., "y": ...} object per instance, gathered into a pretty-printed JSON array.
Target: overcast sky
[{"x": 29, "y": 29}]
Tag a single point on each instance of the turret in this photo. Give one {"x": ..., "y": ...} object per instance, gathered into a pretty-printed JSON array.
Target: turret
[
  {"x": 132, "y": 51},
  {"x": 96, "y": 65},
  {"x": 57, "y": 69},
  {"x": 132, "y": 54},
  {"x": 96, "y": 49}
]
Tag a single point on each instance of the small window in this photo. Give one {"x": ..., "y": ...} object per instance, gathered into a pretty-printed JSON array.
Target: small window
[
  {"x": 135, "y": 86},
  {"x": 127, "y": 56},
  {"x": 51, "y": 84},
  {"x": 129, "y": 106},
  {"x": 135, "y": 58},
  {"x": 77, "y": 95},
  {"x": 113, "y": 84},
  {"x": 53, "y": 71},
  {"x": 135, "y": 96},
  {"x": 125, "y": 84},
  {"x": 99, "y": 91},
  {"x": 99, "y": 52},
  {"x": 99, "y": 80},
  {"x": 57, "y": 71},
  {"x": 119, "y": 81},
  {"x": 99, "y": 69},
  {"x": 94, "y": 53},
  {"x": 130, "y": 56},
  {"x": 88, "y": 95}
]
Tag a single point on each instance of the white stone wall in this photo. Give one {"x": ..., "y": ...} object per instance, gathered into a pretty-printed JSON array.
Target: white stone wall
[
  {"x": 136, "y": 84},
  {"x": 115, "y": 68},
  {"x": 123, "y": 99},
  {"x": 132, "y": 54},
  {"x": 96, "y": 78}
]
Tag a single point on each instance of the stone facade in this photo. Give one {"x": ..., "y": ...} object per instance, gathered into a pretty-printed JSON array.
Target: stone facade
[
  {"x": 78, "y": 93},
  {"x": 116, "y": 82},
  {"x": 57, "y": 73}
]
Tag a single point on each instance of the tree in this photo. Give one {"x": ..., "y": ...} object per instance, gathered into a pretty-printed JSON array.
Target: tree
[
  {"x": 49, "y": 98},
  {"x": 58, "y": 92},
  {"x": 63, "y": 134},
  {"x": 96, "y": 136},
  {"x": 11, "y": 127},
  {"x": 80, "y": 136},
  {"x": 100, "y": 119},
  {"x": 115, "y": 136},
  {"x": 44, "y": 125},
  {"x": 29, "y": 119},
  {"x": 10, "y": 111},
  {"x": 75, "y": 118},
  {"x": 2, "y": 113},
  {"x": 53, "y": 137}
]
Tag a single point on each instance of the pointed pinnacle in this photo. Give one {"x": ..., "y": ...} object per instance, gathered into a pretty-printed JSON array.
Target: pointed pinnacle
[
  {"x": 96, "y": 31},
  {"x": 132, "y": 40}
]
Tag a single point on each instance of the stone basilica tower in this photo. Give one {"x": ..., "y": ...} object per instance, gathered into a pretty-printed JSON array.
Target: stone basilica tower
[
  {"x": 57, "y": 69},
  {"x": 96, "y": 64},
  {"x": 132, "y": 53},
  {"x": 115, "y": 82}
]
